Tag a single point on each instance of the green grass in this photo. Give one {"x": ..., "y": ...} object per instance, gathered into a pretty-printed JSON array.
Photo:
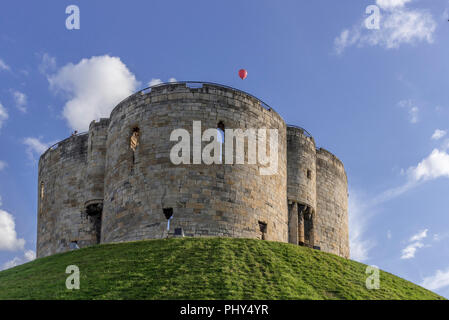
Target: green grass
[{"x": 202, "y": 268}]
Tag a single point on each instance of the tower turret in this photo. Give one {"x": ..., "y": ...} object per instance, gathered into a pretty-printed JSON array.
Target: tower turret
[
  {"x": 301, "y": 186},
  {"x": 96, "y": 161}
]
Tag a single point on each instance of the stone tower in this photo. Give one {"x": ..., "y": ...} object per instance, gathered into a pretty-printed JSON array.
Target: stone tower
[{"x": 117, "y": 182}]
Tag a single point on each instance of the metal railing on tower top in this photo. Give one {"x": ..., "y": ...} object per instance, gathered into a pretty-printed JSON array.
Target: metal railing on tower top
[
  {"x": 191, "y": 84},
  {"x": 307, "y": 133},
  {"x": 201, "y": 83}
]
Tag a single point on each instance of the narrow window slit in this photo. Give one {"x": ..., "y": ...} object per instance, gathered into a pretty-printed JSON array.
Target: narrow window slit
[
  {"x": 221, "y": 138},
  {"x": 168, "y": 213},
  {"x": 42, "y": 191},
  {"x": 263, "y": 230},
  {"x": 134, "y": 141},
  {"x": 41, "y": 196}
]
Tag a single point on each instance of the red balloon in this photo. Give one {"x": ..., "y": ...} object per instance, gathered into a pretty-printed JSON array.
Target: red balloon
[{"x": 243, "y": 74}]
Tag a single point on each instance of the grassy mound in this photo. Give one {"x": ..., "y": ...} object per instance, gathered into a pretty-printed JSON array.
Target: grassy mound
[{"x": 201, "y": 268}]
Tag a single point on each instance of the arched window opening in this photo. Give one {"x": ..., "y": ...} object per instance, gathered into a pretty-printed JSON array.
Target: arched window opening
[
  {"x": 308, "y": 229},
  {"x": 74, "y": 245},
  {"x": 168, "y": 213},
  {"x": 134, "y": 141},
  {"x": 42, "y": 190},
  {"x": 309, "y": 174},
  {"x": 306, "y": 225},
  {"x": 221, "y": 138},
  {"x": 301, "y": 225}
]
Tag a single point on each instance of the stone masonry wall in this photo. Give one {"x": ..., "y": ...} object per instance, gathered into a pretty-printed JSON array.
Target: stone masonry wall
[
  {"x": 301, "y": 186},
  {"x": 332, "y": 204},
  {"x": 301, "y": 170},
  {"x": 96, "y": 161},
  {"x": 61, "y": 194},
  {"x": 100, "y": 187},
  {"x": 207, "y": 200}
]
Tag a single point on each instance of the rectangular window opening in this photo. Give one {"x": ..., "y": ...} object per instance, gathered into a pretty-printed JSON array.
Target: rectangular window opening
[
  {"x": 134, "y": 140},
  {"x": 309, "y": 174},
  {"x": 263, "y": 229},
  {"x": 42, "y": 191}
]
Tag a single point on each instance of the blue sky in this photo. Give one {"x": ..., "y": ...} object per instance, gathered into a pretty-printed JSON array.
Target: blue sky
[{"x": 378, "y": 99}]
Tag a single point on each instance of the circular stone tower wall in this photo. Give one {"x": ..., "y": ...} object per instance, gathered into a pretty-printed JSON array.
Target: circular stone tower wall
[
  {"x": 143, "y": 188},
  {"x": 301, "y": 164},
  {"x": 332, "y": 204},
  {"x": 301, "y": 186},
  {"x": 61, "y": 184},
  {"x": 96, "y": 161}
]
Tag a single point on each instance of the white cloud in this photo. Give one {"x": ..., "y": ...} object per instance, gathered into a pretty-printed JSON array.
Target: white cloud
[
  {"x": 8, "y": 235},
  {"x": 48, "y": 64},
  {"x": 398, "y": 25},
  {"x": 436, "y": 165},
  {"x": 3, "y": 115},
  {"x": 11, "y": 264},
  {"x": 419, "y": 236},
  {"x": 359, "y": 215},
  {"x": 391, "y": 4},
  {"x": 389, "y": 235},
  {"x": 413, "y": 110},
  {"x": 437, "y": 237},
  {"x": 445, "y": 14},
  {"x": 391, "y": 193},
  {"x": 346, "y": 39},
  {"x": 154, "y": 82},
  {"x": 29, "y": 255},
  {"x": 445, "y": 145},
  {"x": 94, "y": 87},
  {"x": 21, "y": 100},
  {"x": 3, "y": 165},
  {"x": 415, "y": 244},
  {"x": 403, "y": 26},
  {"x": 438, "y": 134},
  {"x": 439, "y": 280},
  {"x": 35, "y": 146},
  {"x": 4, "y": 66},
  {"x": 410, "y": 251}
]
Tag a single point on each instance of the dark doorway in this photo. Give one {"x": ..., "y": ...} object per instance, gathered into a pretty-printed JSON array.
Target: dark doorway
[
  {"x": 168, "y": 213},
  {"x": 94, "y": 211},
  {"x": 308, "y": 229},
  {"x": 263, "y": 230}
]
